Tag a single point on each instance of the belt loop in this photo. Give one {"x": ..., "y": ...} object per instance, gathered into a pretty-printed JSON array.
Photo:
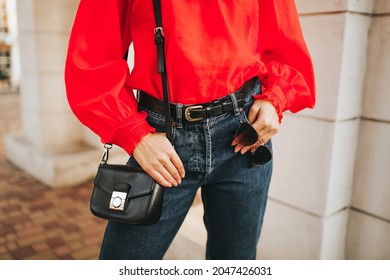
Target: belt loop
[
  {"x": 179, "y": 115},
  {"x": 236, "y": 109}
]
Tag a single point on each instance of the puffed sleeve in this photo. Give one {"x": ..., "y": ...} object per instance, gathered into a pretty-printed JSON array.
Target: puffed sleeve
[
  {"x": 96, "y": 75},
  {"x": 289, "y": 79}
]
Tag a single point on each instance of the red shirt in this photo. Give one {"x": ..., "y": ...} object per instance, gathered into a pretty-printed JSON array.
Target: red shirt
[{"x": 212, "y": 48}]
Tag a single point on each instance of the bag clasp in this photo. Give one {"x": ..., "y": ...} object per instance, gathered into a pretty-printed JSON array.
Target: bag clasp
[{"x": 118, "y": 200}]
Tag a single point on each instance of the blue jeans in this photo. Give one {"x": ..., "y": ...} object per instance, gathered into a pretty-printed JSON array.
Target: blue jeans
[{"x": 234, "y": 193}]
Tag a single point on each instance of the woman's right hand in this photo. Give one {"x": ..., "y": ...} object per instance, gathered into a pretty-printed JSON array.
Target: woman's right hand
[{"x": 156, "y": 155}]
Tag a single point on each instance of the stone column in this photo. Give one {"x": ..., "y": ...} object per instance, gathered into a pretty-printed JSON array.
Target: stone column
[
  {"x": 314, "y": 153},
  {"x": 369, "y": 225},
  {"x": 51, "y": 145}
]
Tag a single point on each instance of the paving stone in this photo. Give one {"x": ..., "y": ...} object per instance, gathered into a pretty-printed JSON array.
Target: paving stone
[
  {"x": 11, "y": 246},
  {"x": 22, "y": 253},
  {"x": 28, "y": 231},
  {"x": 37, "y": 222},
  {"x": 41, "y": 247},
  {"x": 31, "y": 240},
  {"x": 62, "y": 251},
  {"x": 11, "y": 237},
  {"x": 3, "y": 250},
  {"x": 75, "y": 245},
  {"x": 47, "y": 255},
  {"x": 86, "y": 253},
  {"x": 55, "y": 242},
  {"x": 6, "y": 256}
]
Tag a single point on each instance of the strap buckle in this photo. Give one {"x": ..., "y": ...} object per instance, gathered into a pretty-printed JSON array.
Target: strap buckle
[
  {"x": 187, "y": 113},
  {"x": 107, "y": 148},
  {"x": 159, "y": 30}
]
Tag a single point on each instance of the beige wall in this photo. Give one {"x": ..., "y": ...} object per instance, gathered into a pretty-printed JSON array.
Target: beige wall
[
  {"x": 369, "y": 224},
  {"x": 330, "y": 188}
]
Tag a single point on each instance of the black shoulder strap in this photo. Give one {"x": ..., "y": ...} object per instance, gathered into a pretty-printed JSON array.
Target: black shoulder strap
[{"x": 159, "y": 40}]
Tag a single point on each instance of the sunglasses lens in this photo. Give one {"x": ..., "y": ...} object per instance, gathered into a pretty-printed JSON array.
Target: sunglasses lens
[
  {"x": 246, "y": 135},
  {"x": 261, "y": 155}
]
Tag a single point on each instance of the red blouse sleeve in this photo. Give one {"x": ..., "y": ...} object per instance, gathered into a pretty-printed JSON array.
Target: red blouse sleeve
[
  {"x": 289, "y": 80},
  {"x": 96, "y": 75}
]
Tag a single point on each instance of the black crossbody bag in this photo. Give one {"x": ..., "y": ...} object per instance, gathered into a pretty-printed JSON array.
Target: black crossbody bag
[{"x": 125, "y": 193}]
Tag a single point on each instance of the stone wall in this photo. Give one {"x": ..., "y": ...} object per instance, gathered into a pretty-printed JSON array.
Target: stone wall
[
  {"x": 369, "y": 224},
  {"x": 323, "y": 156}
]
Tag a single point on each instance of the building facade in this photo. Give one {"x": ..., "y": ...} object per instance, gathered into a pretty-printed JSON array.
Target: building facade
[{"x": 9, "y": 50}]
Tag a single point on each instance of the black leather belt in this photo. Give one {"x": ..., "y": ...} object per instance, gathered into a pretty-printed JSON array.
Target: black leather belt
[{"x": 198, "y": 112}]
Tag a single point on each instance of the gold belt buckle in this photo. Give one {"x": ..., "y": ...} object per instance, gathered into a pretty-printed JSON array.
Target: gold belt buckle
[{"x": 188, "y": 115}]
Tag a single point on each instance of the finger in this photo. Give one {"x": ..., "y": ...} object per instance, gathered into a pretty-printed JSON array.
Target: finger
[
  {"x": 260, "y": 125},
  {"x": 176, "y": 161},
  {"x": 238, "y": 148},
  {"x": 263, "y": 126},
  {"x": 268, "y": 131},
  {"x": 268, "y": 137},
  {"x": 159, "y": 179},
  {"x": 167, "y": 176},
  {"x": 172, "y": 170},
  {"x": 254, "y": 111},
  {"x": 248, "y": 148},
  {"x": 260, "y": 140}
]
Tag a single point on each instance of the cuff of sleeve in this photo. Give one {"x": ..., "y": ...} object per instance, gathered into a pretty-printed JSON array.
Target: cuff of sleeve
[
  {"x": 275, "y": 94},
  {"x": 128, "y": 136}
]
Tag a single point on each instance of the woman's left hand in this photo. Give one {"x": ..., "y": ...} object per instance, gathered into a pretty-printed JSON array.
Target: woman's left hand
[{"x": 264, "y": 118}]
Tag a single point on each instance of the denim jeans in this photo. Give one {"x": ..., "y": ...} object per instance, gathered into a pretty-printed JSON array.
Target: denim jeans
[{"x": 234, "y": 193}]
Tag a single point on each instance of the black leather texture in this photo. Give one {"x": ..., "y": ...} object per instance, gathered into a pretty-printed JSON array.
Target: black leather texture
[{"x": 144, "y": 197}]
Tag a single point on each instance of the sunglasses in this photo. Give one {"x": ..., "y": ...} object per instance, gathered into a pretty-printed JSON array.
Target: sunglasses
[{"x": 245, "y": 136}]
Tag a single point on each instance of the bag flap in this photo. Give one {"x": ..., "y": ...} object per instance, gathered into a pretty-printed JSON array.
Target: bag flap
[{"x": 111, "y": 177}]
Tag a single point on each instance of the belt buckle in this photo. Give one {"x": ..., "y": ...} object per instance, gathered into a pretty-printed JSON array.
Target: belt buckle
[{"x": 188, "y": 115}]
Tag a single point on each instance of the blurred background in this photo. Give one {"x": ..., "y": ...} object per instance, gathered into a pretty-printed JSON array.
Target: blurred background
[{"x": 330, "y": 192}]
